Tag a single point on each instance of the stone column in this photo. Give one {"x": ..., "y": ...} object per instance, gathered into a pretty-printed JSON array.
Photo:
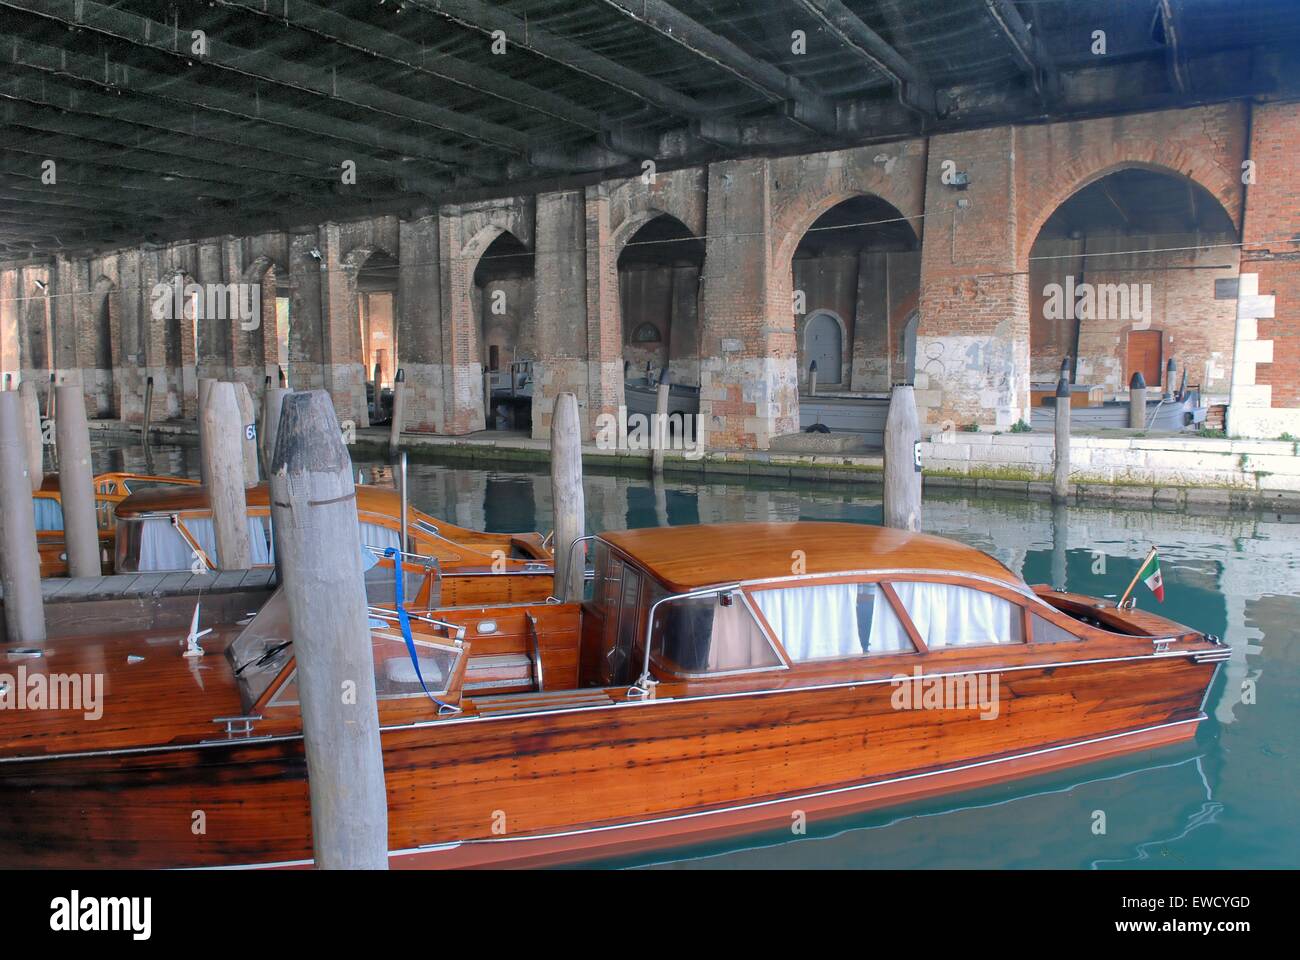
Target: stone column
[
  {"x": 419, "y": 325},
  {"x": 560, "y": 309},
  {"x": 972, "y": 344},
  {"x": 748, "y": 380}
]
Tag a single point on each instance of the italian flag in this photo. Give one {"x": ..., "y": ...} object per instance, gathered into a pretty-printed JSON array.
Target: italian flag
[{"x": 1150, "y": 575}]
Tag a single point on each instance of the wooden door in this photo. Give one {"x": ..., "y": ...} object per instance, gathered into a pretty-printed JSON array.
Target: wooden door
[
  {"x": 1146, "y": 355},
  {"x": 822, "y": 342}
]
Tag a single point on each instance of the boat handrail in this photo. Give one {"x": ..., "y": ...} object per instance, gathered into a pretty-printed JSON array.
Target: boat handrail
[{"x": 455, "y": 630}]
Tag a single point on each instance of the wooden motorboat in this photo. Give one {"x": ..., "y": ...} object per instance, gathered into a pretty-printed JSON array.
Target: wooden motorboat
[
  {"x": 165, "y": 530},
  {"x": 110, "y": 490},
  {"x": 720, "y": 679}
]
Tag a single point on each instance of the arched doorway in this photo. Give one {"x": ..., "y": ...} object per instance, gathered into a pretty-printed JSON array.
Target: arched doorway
[
  {"x": 659, "y": 286},
  {"x": 823, "y": 344},
  {"x": 855, "y": 274},
  {"x": 503, "y": 303},
  {"x": 376, "y": 310},
  {"x": 1133, "y": 270}
]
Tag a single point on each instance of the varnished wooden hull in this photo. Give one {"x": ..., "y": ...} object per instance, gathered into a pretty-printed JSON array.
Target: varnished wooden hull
[{"x": 593, "y": 781}]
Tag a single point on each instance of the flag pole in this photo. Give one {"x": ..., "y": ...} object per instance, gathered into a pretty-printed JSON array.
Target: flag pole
[{"x": 1133, "y": 582}]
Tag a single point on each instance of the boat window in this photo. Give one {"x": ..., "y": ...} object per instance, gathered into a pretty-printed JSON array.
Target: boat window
[
  {"x": 949, "y": 615},
  {"x": 151, "y": 543},
  {"x": 710, "y": 634},
  {"x": 1044, "y": 631},
  {"x": 49, "y": 513},
  {"x": 829, "y": 621}
]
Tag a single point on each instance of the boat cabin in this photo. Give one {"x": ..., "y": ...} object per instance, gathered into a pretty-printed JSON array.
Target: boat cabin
[{"x": 690, "y": 610}]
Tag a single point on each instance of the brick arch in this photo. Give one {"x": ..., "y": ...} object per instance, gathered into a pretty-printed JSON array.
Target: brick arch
[
  {"x": 794, "y": 220},
  {"x": 1109, "y": 157},
  {"x": 261, "y": 345},
  {"x": 625, "y": 231}
]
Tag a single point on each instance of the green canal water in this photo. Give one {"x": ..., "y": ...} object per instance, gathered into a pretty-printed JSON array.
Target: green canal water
[{"x": 1229, "y": 799}]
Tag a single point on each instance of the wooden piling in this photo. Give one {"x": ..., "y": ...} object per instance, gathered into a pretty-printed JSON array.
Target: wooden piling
[
  {"x": 205, "y": 387},
  {"x": 1061, "y": 464},
  {"x": 314, "y": 512},
  {"x": 812, "y": 379},
  {"x": 488, "y": 419},
  {"x": 76, "y": 484},
  {"x": 567, "y": 497},
  {"x": 902, "y": 460},
  {"x": 1171, "y": 374},
  {"x": 20, "y": 562},
  {"x": 272, "y": 401},
  {"x": 399, "y": 408},
  {"x": 34, "y": 442},
  {"x": 377, "y": 407},
  {"x": 147, "y": 417},
  {"x": 223, "y": 462},
  {"x": 247, "y": 433},
  {"x": 1137, "y": 402},
  {"x": 660, "y": 432}
]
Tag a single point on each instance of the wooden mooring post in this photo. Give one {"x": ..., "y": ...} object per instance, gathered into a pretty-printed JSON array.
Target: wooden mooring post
[
  {"x": 660, "y": 432},
  {"x": 247, "y": 432},
  {"x": 902, "y": 501},
  {"x": 146, "y": 417},
  {"x": 314, "y": 511},
  {"x": 399, "y": 408},
  {"x": 1137, "y": 402},
  {"x": 272, "y": 401},
  {"x": 223, "y": 466},
  {"x": 1061, "y": 463},
  {"x": 20, "y": 561},
  {"x": 567, "y": 497},
  {"x": 34, "y": 442},
  {"x": 205, "y": 388},
  {"x": 76, "y": 484}
]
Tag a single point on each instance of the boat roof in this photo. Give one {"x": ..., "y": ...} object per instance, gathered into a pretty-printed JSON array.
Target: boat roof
[
  {"x": 710, "y": 554},
  {"x": 384, "y": 500}
]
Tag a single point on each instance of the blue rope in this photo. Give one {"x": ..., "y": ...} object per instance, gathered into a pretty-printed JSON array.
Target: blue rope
[{"x": 404, "y": 621}]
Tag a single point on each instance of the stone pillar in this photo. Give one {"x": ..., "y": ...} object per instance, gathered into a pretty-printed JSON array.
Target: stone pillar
[
  {"x": 604, "y": 318},
  {"x": 748, "y": 378},
  {"x": 419, "y": 325},
  {"x": 560, "y": 308},
  {"x": 972, "y": 344},
  {"x": 344, "y": 373}
]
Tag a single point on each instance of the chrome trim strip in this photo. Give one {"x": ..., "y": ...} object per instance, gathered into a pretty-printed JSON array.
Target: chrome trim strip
[
  {"x": 634, "y": 703},
  {"x": 794, "y": 798}
]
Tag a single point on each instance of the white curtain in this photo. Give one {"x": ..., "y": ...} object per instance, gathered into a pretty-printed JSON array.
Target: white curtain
[
  {"x": 947, "y": 615},
  {"x": 813, "y": 622},
  {"x": 887, "y": 632},
  {"x": 163, "y": 548},
  {"x": 380, "y": 537},
  {"x": 49, "y": 513}
]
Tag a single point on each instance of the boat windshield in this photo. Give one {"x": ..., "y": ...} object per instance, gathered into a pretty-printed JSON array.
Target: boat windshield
[{"x": 713, "y": 633}]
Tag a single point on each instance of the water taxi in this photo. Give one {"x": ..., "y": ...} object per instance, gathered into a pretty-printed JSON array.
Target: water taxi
[
  {"x": 110, "y": 490},
  {"x": 719, "y": 679}
]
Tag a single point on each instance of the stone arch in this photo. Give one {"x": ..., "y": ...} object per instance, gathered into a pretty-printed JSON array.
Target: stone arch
[
  {"x": 1133, "y": 254},
  {"x": 270, "y": 348},
  {"x": 884, "y": 281},
  {"x": 361, "y": 346},
  {"x": 1111, "y": 156},
  {"x": 672, "y": 307}
]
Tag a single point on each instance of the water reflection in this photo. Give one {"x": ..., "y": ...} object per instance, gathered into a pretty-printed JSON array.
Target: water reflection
[{"x": 1227, "y": 800}]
